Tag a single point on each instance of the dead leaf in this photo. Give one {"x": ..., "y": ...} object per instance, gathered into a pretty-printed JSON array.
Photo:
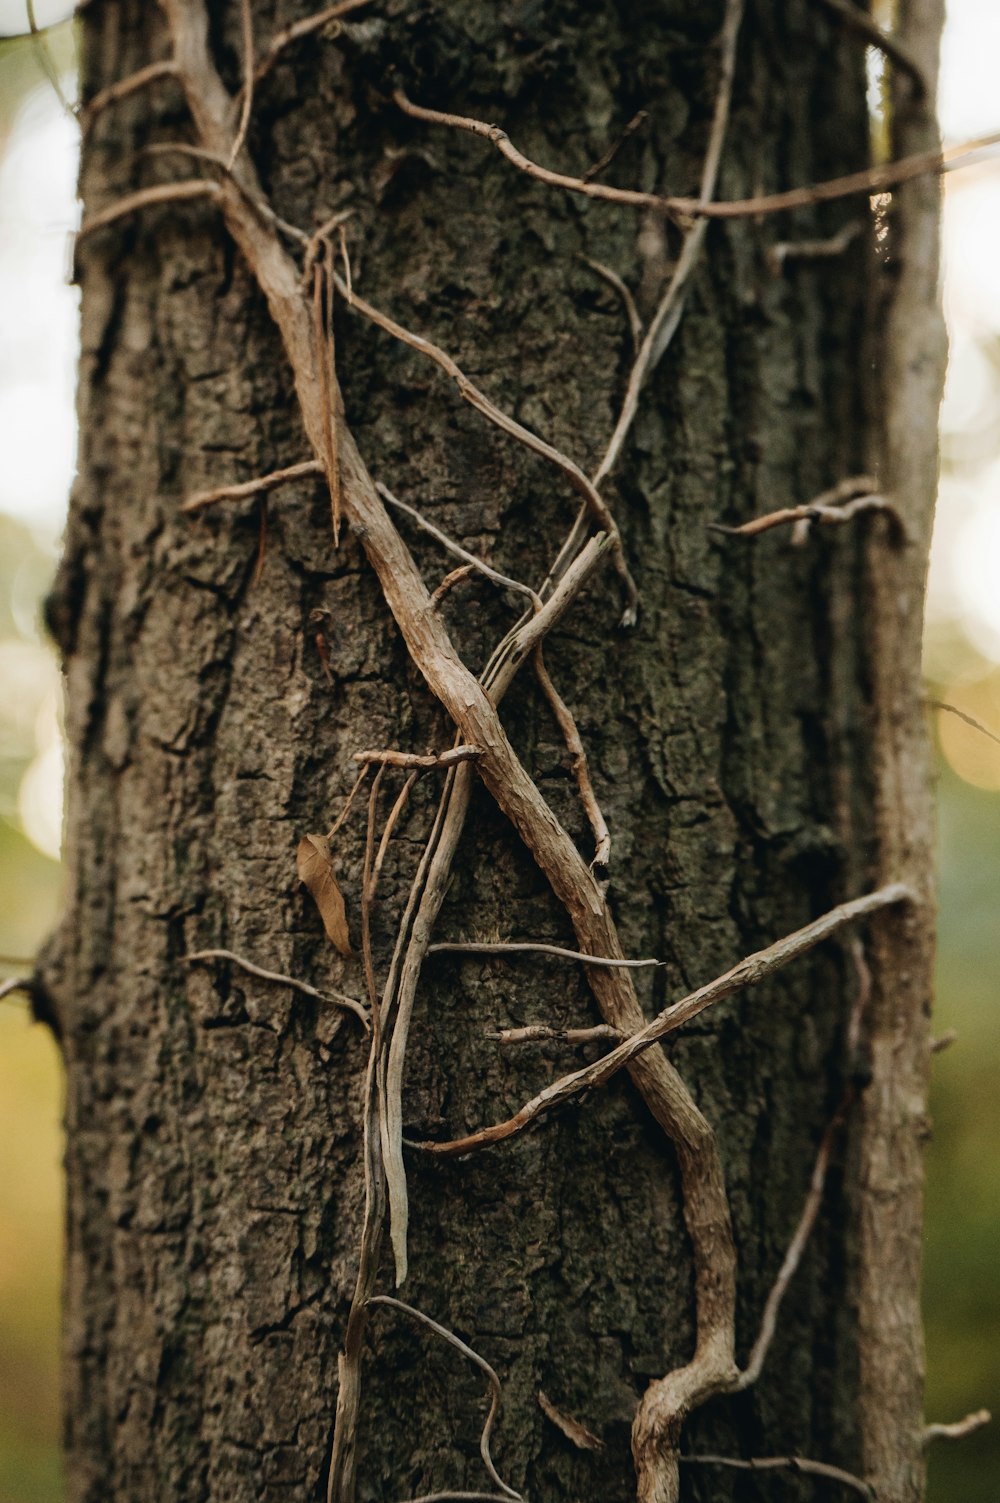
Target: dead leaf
[
  {"x": 314, "y": 864},
  {"x": 581, "y": 1437}
]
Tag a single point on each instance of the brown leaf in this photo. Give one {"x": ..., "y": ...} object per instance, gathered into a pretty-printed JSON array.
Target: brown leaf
[
  {"x": 581, "y": 1437},
  {"x": 314, "y": 865}
]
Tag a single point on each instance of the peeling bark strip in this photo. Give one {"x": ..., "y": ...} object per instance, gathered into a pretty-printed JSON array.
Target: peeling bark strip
[{"x": 717, "y": 746}]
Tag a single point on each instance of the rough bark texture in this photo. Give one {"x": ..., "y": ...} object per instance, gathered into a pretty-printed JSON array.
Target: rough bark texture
[{"x": 214, "y": 1169}]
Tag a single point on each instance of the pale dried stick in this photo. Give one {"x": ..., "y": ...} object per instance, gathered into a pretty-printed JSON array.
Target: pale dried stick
[
  {"x": 813, "y": 250},
  {"x": 754, "y": 968},
  {"x": 578, "y": 762},
  {"x": 246, "y": 108},
  {"x": 869, "y": 30},
  {"x": 792, "y": 1258},
  {"x": 501, "y": 948},
  {"x": 453, "y": 578},
  {"x": 831, "y": 509},
  {"x": 304, "y": 28},
  {"x": 254, "y": 487},
  {"x": 431, "y": 884},
  {"x": 800, "y": 1464},
  {"x": 345, "y": 811},
  {"x": 499, "y": 138},
  {"x": 145, "y": 198},
  {"x": 395, "y": 813},
  {"x": 496, "y": 1393},
  {"x": 123, "y": 88},
  {"x": 281, "y": 980},
  {"x": 368, "y": 886},
  {"x": 959, "y": 1429},
  {"x": 503, "y": 581},
  {"x": 321, "y": 237},
  {"x": 594, "y": 502},
  {"x": 420, "y": 760},
  {"x": 628, "y": 301},
  {"x": 668, "y": 313},
  {"x": 870, "y": 180},
  {"x": 535, "y": 1033},
  {"x": 845, "y": 490},
  {"x": 378, "y": 1183},
  {"x": 322, "y": 306}
]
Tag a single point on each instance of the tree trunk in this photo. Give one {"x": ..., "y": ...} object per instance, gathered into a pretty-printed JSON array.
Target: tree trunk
[{"x": 223, "y": 669}]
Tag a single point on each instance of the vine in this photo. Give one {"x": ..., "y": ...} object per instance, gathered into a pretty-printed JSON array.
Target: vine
[{"x": 301, "y": 295}]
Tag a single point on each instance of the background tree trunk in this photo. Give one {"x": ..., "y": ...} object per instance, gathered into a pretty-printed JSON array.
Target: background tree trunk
[{"x": 215, "y": 1186}]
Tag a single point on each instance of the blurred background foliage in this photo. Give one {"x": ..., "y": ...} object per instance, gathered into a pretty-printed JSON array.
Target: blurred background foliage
[{"x": 37, "y": 353}]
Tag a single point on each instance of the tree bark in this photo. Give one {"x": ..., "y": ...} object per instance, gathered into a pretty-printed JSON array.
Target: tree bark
[{"x": 218, "y": 689}]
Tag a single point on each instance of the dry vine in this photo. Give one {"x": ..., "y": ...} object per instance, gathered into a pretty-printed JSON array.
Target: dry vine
[{"x": 300, "y": 300}]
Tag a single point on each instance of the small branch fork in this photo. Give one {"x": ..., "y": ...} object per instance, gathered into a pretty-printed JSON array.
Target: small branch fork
[
  {"x": 338, "y": 998},
  {"x": 832, "y": 508},
  {"x": 871, "y": 180},
  {"x": 800, "y": 1464},
  {"x": 748, "y": 972},
  {"x": 302, "y": 311}
]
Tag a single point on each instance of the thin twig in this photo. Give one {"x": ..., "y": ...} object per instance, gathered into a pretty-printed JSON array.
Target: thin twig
[
  {"x": 496, "y": 1392},
  {"x": 320, "y": 237},
  {"x": 123, "y": 88},
  {"x": 578, "y": 762},
  {"x": 860, "y": 21},
  {"x": 246, "y": 108},
  {"x": 402, "y": 798},
  {"x": 748, "y": 972},
  {"x": 959, "y": 1429},
  {"x": 824, "y": 516},
  {"x": 253, "y": 487},
  {"x": 977, "y": 725},
  {"x": 322, "y": 307},
  {"x": 281, "y": 980},
  {"x": 799, "y": 1464},
  {"x": 44, "y": 57},
  {"x": 813, "y": 250},
  {"x": 536, "y": 1033},
  {"x": 145, "y": 198},
  {"x": 473, "y": 947},
  {"x": 478, "y": 399},
  {"x": 832, "y": 507},
  {"x": 666, "y": 318},
  {"x": 240, "y": 180},
  {"x": 631, "y": 311},
  {"x": 16, "y": 984},
  {"x": 304, "y": 28},
  {"x": 810, "y": 1210},
  {"x": 392, "y": 758},
  {"x": 451, "y": 579},
  {"x": 504, "y": 581},
  {"x": 792, "y": 1258},
  {"x": 870, "y": 180},
  {"x": 639, "y": 118},
  {"x": 345, "y": 811}
]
